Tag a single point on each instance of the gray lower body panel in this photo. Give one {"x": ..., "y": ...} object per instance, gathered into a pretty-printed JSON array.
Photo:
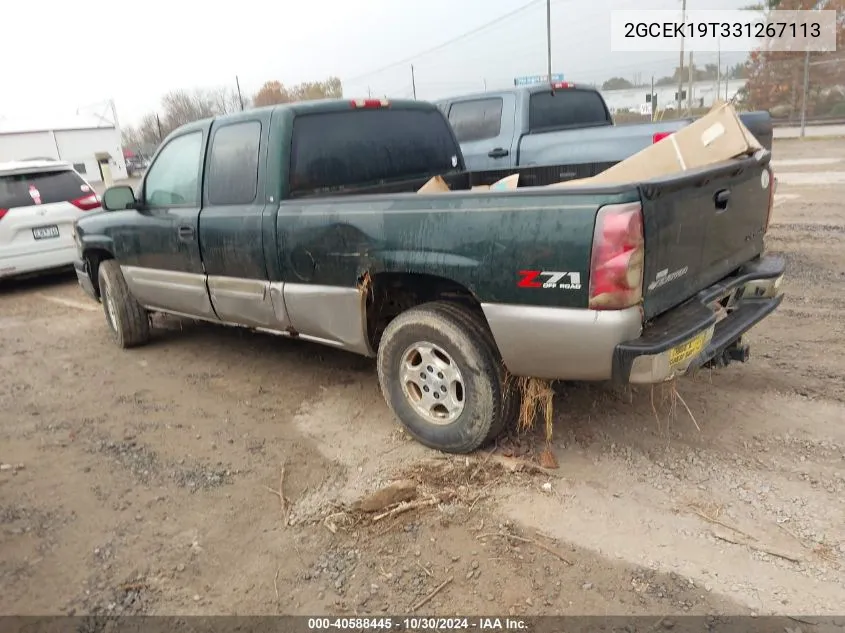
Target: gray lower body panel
[
  {"x": 330, "y": 314},
  {"x": 560, "y": 343},
  {"x": 156, "y": 289},
  {"x": 326, "y": 314},
  {"x": 250, "y": 302}
]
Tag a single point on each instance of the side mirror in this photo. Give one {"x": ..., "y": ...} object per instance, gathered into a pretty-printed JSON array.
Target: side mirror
[{"x": 118, "y": 198}]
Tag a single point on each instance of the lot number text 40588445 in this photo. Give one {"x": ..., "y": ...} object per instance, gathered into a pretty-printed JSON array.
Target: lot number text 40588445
[{"x": 421, "y": 623}]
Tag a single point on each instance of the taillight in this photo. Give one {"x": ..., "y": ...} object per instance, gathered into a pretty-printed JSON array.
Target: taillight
[
  {"x": 87, "y": 203},
  {"x": 562, "y": 84},
  {"x": 370, "y": 103},
  {"x": 659, "y": 136},
  {"x": 772, "y": 186},
  {"x": 616, "y": 264},
  {"x": 3, "y": 212}
]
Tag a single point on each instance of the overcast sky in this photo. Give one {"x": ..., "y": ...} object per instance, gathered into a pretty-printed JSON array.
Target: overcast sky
[{"x": 64, "y": 55}]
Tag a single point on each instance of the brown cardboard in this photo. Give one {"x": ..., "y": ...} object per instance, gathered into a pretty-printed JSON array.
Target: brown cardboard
[
  {"x": 434, "y": 185},
  {"x": 438, "y": 185},
  {"x": 715, "y": 137},
  {"x": 753, "y": 143}
]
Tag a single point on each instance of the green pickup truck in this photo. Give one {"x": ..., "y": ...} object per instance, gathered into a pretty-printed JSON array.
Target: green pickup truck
[{"x": 304, "y": 220}]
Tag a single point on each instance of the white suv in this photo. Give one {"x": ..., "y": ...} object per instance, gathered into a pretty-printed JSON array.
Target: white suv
[{"x": 39, "y": 202}]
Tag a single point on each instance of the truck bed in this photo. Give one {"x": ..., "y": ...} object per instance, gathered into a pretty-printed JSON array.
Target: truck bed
[{"x": 690, "y": 243}]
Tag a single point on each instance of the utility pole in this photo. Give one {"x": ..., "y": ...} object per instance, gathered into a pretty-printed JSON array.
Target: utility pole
[
  {"x": 240, "y": 98},
  {"x": 681, "y": 60},
  {"x": 821, "y": 4},
  {"x": 718, "y": 69},
  {"x": 689, "y": 91},
  {"x": 549, "y": 39},
  {"x": 806, "y": 92},
  {"x": 413, "y": 82},
  {"x": 652, "y": 99}
]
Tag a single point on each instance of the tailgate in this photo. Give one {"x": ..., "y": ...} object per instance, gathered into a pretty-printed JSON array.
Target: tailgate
[{"x": 701, "y": 225}]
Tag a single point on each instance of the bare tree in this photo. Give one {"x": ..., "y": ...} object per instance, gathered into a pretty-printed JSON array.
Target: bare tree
[
  {"x": 131, "y": 137},
  {"x": 776, "y": 78},
  {"x": 273, "y": 92},
  {"x": 226, "y": 100},
  {"x": 179, "y": 107}
]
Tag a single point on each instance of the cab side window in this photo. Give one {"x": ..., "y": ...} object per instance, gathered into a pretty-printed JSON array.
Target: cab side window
[
  {"x": 172, "y": 178},
  {"x": 476, "y": 120},
  {"x": 232, "y": 172}
]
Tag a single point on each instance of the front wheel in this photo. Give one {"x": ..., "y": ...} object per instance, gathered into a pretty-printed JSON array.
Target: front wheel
[
  {"x": 441, "y": 378},
  {"x": 128, "y": 322}
]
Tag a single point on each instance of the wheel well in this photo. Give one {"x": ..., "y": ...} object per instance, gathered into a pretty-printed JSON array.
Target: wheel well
[
  {"x": 390, "y": 294},
  {"x": 93, "y": 257}
]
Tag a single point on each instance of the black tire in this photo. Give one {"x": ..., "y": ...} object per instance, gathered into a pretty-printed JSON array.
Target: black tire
[
  {"x": 460, "y": 347},
  {"x": 511, "y": 397},
  {"x": 130, "y": 326}
]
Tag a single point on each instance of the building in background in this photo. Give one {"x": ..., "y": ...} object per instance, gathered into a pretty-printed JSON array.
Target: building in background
[
  {"x": 703, "y": 95},
  {"x": 91, "y": 144}
]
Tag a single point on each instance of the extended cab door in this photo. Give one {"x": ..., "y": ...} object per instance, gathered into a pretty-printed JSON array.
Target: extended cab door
[
  {"x": 231, "y": 231},
  {"x": 158, "y": 244},
  {"x": 484, "y": 127}
]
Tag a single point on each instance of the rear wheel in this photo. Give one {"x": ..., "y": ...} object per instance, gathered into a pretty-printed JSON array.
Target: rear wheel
[
  {"x": 442, "y": 377},
  {"x": 511, "y": 398},
  {"x": 128, "y": 322}
]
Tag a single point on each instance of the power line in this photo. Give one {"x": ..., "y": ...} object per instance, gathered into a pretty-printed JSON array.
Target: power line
[{"x": 443, "y": 45}]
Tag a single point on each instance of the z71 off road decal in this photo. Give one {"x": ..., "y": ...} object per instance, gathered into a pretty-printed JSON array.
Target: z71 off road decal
[{"x": 549, "y": 279}]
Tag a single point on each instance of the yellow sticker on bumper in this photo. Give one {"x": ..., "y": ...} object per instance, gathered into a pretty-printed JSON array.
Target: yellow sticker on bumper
[{"x": 685, "y": 351}]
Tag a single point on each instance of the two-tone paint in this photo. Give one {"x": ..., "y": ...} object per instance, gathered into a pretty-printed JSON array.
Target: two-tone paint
[{"x": 296, "y": 265}]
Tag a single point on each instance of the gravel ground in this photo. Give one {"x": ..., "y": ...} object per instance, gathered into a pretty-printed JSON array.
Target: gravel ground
[{"x": 148, "y": 481}]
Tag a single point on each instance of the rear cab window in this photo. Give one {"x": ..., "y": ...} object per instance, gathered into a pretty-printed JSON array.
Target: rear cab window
[
  {"x": 568, "y": 107},
  {"x": 335, "y": 151},
  {"x": 41, "y": 187}
]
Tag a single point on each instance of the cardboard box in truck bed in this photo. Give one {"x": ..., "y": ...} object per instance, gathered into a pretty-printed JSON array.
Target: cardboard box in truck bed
[
  {"x": 718, "y": 136},
  {"x": 438, "y": 185}
]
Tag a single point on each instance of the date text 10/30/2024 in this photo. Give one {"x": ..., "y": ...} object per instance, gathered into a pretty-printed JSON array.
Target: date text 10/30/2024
[{"x": 417, "y": 624}]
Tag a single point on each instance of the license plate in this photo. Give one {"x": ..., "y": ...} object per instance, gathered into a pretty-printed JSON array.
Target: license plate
[
  {"x": 45, "y": 232},
  {"x": 685, "y": 351}
]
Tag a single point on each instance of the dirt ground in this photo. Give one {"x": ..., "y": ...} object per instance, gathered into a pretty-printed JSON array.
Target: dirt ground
[{"x": 147, "y": 481}]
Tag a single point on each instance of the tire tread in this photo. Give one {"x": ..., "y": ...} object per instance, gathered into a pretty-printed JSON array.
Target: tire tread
[
  {"x": 134, "y": 327},
  {"x": 443, "y": 316}
]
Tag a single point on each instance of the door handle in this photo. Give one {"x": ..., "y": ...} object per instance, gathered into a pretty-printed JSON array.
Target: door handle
[
  {"x": 186, "y": 232},
  {"x": 499, "y": 152},
  {"x": 721, "y": 199}
]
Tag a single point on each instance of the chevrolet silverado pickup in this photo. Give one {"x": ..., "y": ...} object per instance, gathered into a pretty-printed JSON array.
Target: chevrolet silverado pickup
[
  {"x": 305, "y": 220},
  {"x": 565, "y": 128}
]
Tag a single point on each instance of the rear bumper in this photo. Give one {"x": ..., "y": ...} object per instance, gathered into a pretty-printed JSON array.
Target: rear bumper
[
  {"x": 694, "y": 334},
  {"x": 80, "y": 266},
  {"x": 43, "y": 260},
  {"x": 599, "y": 345}
]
